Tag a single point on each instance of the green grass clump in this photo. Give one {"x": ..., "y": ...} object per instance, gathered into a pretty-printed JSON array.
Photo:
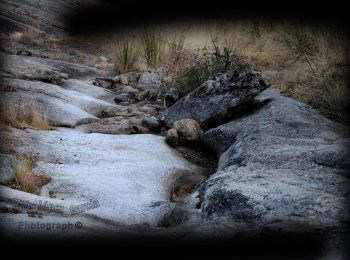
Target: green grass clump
[
  {"x": 126, "y": 52},
  {"x": 153, "y": 47}
]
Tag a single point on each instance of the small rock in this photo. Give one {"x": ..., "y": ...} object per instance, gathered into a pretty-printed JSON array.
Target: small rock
[
  {"x": 133, "y": 76},
  {"x": 127, "y": 78},
  {"x": 188, "y": 130},
  {"x": 129, "y": 89},
  {"x": 121, "y": 98},
  {"x": 104, "y": 82},
  {"x": 123, "y": 80},
  {"x": 143, "y": 95},
  {"x": 149, "y": 80},
  {"x": 172, "y": 138},
  {"x": 116, "y": 79},
  {"x": 151, "y": 123}
]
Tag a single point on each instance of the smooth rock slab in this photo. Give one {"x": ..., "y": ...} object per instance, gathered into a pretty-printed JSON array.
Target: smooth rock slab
[
  {"x": 68, "y": 106},
  {"x": 126, "y": 174},
  {"x": 47, "y": 70},
  {"x": 23, "y": 67}
]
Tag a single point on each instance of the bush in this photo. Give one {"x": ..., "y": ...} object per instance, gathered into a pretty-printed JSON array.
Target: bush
[
  {"x": 205, "y": 63},
  {"x": 324, "y": 88},
  {"x": 301, "y": 45},
  {"x": 328, "y": 89},
  {"x": 318, "y": 71}
]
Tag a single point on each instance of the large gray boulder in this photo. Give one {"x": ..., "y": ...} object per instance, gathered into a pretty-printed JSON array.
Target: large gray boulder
[
  {"x": 216, "y": 99},
  {"x": 284, "y": 165}
]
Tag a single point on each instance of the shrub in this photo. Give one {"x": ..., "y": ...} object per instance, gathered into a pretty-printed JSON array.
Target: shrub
[
  {"x": 301, "y": 45},
  {"x": 317, "y": 72},
  {"x": 205, "y": 63},
  {"x": 325, "y": 88}
]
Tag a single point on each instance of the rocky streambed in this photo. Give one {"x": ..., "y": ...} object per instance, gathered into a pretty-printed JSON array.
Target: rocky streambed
[
  {"x": 231, "y": 157},
  {"x": 280, "y": 163},
  {"x": 108, "y": 164}
]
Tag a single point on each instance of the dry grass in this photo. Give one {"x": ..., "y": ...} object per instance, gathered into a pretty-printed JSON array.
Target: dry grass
[
  {"x": 32, "y": 35},
  {"x": 313, "y": 59},
  {"x": 24, "y": 177},
  {"x": 305, "y": 77},
  {"x": 33, "y": 118}
]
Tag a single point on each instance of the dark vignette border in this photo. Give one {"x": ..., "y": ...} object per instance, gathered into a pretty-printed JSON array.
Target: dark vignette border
[{"x": 128, "y": 15}]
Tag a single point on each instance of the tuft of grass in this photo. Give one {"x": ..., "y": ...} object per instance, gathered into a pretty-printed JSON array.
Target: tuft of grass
[
  {"x": 33, "y": 118},
  {"x": 36, "y": 119},
  {"x": 32, "y": 35},
  {"x": 26, "y": 36},
  {"x": 126, "y": 53},
  {"x": 24, "y": 177},
  {"x": 153, "y": 47}
]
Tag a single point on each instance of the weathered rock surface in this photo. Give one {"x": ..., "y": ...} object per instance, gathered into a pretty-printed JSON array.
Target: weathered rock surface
[
  {"x": 44, "y": 16},
  {"x": 188, "y": 130},
  {"x": 67, "y": 106},
  {"x": 123, "y": 121},
  {"x": 149, "y": 80},
  {"x": 151, "y": 123},
  {"x": 47, "y": 70},
  {"x": 125, "y": 174},
  {"x": 104, "y": 82},
  {"x": 216, "y": 99},
  {"x": 283, "y": 165},
  {"x": 6, "y": 162},
  {"x": 86, "y": 88},
  {"x": 22, "y": 67},
  {"x": 58, "y": 53}
]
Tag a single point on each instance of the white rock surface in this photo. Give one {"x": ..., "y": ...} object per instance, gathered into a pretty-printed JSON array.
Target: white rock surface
[
  {"x": 126, "y": 174},
  {"x": 68, "y": 106}
]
